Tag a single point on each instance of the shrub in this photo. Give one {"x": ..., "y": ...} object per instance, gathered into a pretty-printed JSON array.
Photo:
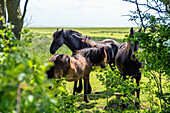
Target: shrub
[{"x": 24, "y": 85}]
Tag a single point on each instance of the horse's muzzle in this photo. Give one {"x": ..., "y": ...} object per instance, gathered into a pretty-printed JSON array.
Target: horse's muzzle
[
  {"x": 103, "y": 66},
  {"x": 50, "y": 72},
  {"x": 52, "y": 52}
]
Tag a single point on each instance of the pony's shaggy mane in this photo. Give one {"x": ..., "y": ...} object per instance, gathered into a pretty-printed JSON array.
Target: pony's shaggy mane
[
  {"x": 72, "y": 32},
  {"x": 95, "y": 55}
]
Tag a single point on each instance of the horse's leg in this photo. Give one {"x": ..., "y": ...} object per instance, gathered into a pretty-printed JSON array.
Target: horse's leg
[
  {"x": 50, "y": 72},
  {"x": 89, "y": 87},
  {"x": 111, "y": 65},
  {"x": 137, "y": 103},
  {"x": 86, "y": 80},
  {"x": 80, "y": 87},
  {"x": 75, "y": 87},
  {"x": 124, "y": 106},
  {"x": 133, "y": 92}
]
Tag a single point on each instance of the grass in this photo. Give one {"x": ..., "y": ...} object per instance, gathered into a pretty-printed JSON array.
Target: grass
[{"x": 40, "y": 48}]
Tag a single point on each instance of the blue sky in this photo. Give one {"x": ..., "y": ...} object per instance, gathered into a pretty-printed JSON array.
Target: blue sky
[{"x": 78, "y": 13}]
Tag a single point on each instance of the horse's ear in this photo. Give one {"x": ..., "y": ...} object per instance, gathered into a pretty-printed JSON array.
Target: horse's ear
[
  {"x": 62, "y": 31},
  {"x": 140, "y": 30},
  {"x": 102, "y": 49}
]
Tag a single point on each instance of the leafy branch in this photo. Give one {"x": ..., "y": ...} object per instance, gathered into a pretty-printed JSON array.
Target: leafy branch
[{"x": 161, "y": 7}]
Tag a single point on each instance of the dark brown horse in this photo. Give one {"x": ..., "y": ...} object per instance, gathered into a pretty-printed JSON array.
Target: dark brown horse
[
  {"x": 76, "y": 41},
  {"x": 127, "y": 63},
  {"x": 77, "y": 66}
]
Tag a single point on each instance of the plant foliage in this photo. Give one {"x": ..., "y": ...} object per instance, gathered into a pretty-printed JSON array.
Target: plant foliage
[{"x": 24, "y": 85}]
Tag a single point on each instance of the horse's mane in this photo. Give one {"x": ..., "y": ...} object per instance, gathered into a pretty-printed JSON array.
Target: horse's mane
[
  {"x": 123, "y": 45},
  {"x": 59, "y": 57},
  {"x": 73, "y": 32},
  {"x": 95, "y": 55}
]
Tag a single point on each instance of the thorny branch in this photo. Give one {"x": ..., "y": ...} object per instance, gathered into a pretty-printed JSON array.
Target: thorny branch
[
  {"x": 133, "y": 19},
  {"x": 139, "y": 12},
  {"x": 156, "y": 8},
  {"x": 28, "y": 22},
  {"x": 159, "y": 86}
]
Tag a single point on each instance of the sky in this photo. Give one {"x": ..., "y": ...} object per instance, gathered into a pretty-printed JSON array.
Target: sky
[{"x": 78, "y": 13}]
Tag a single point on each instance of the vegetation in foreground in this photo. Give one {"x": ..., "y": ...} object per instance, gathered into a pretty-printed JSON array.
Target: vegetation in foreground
[{"x": 25, "y": 84}]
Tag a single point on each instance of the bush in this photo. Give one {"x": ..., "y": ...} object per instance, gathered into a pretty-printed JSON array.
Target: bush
[
  {"x": 24, "y": 85},
  {"x": 154, "y": 42},
  {"x": 155, "y": 54}
]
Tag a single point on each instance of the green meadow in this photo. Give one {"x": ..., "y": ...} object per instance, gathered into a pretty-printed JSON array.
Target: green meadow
[
  {"x": 42, "y": 38},
  {"x": 41, "y": 41}
]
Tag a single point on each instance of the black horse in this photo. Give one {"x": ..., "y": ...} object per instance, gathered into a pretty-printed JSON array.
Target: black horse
[{"x": 127, "y": 63}]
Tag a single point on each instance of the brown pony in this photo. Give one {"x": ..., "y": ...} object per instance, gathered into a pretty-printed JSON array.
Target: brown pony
[
  {"x": 127, "y": 63},
  {"x": 77, "y": 66},
  {"x": 76, "y": 41}
]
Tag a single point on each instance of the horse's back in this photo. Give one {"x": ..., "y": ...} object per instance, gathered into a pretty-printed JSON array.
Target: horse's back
[
  {"x": 78, "y": 67},
  {"x": 111, "y": 47},
  {"x": 109, "y": 41}
]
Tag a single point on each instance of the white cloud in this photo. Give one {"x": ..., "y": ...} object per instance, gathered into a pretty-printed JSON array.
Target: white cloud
[{"x": 99, "y": 13}]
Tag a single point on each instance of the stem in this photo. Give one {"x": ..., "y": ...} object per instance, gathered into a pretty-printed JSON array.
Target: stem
[
  {"x": 19, "y": 98},
  {"x": 107, "y": 99},
  {"x": 157, "y": 84},
  {"x": 141, "y": 19},
  {"x": 161, "y": 95}
]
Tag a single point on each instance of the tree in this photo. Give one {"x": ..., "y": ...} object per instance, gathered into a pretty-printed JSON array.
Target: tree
[
  {"x": 140, "y": 16},
  {"x": 14, "y": 14},
  {"x": 161, "y": 6},
  {"x": 2, "y": 12},
  {"x": 154, "y": 42}
]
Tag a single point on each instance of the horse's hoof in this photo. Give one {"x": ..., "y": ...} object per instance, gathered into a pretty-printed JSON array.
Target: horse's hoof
[
  {"x": 124, "y": 106},
  {"x": 137, "y": 105},
  {"x": 50, "y": 87},
  {"x": 87, "y": 101},
  {"x": 79, "y": 89}
]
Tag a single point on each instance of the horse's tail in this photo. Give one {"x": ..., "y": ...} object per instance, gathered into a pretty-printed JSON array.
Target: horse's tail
[{"x": 50, "y": 72}]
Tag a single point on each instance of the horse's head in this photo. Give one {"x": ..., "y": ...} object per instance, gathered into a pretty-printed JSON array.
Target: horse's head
[
  {"x": 58, "y": 41},
  {"x": 134, "y": 46}
]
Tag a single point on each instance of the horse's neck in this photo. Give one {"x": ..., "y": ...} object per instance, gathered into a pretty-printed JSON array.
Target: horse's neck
[
  {"x": 76, "y": 43},
  {"x": 129, "y": 51}
]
